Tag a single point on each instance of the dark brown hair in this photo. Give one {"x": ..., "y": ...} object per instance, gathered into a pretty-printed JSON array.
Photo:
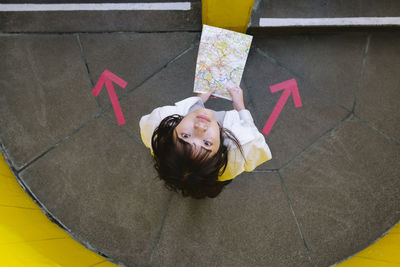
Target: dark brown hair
[{"x": 182, "y": 169}]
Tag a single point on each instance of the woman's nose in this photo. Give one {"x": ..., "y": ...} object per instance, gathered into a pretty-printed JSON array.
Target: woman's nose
[{"x": 200, "y": 127}]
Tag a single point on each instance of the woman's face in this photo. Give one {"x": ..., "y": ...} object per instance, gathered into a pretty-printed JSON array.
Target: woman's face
[{"x": 200, "y": 129}]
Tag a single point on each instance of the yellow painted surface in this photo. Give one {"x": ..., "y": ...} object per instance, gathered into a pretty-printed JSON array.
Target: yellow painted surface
[
  {"x": 52, "y": 252},
  {"x": 13, "y": 195},
  {"x": 29, "y": 238},
  {"x": 4, "y": 169},
  {"x": 228, "y": 14},
  {"x": 385, "y": 252},
  {"x": 363, "y": 262}
]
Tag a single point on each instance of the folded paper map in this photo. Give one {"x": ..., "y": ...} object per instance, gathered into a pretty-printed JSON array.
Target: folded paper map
[{"x": 221, "y": 60}]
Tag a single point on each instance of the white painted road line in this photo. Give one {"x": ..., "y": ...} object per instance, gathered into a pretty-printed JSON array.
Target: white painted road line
[
  {"x": 95, "y": 7},
  {"x": 357, "y": 21}
]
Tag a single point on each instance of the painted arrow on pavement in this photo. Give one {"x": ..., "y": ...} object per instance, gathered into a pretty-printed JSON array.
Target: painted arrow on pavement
[
  {"x": 288, "y": 87},
  {"x": 107, "y": 77}
]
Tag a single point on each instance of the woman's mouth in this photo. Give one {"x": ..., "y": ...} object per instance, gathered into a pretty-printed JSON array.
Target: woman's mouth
[{"x": 202, "y": 117}]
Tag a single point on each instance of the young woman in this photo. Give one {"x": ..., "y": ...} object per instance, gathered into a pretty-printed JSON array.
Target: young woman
[{"x": 198, "y": 151}]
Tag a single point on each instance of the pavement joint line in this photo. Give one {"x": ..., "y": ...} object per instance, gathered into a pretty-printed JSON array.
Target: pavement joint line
[
  {"x": 349, "y": 116},
  {"x": 363, "y": 64},
  {"x": 180, "y": 55},
  {"x": 128, "y": 91},
  {"x": 369, "y": 124},
  {"x": 284, "y": 189},
  {"x": 270, "y": 58},
  {"x": 158, "y": 6},
  {"x": 158, "y": 236},
  {"x": 123, "y": 129},
  {"x": 82, "y": 52},
  {"x": 317, "y": 140},
  {"x": 85, "y": 62},
  {"x": 58, "y": 143},
  {"x": 301, "y": 79}
]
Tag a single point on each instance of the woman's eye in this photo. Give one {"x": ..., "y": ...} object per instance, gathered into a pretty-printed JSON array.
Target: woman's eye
[
  {"x": 185, "y": 135},
  {"x": 207, "y": 143}
]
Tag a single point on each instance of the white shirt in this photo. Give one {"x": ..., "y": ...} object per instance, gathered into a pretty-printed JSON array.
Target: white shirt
[{"x": 255, "y": 149}]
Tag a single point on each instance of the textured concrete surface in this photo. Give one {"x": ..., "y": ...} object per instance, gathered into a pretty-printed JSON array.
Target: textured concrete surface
[
  {"x": 135, "y": 57},
  {"x": 102, "y": 186},
  {"x": 344, "y": 190},
  {"x": 213, "y": 233},
  {"x": 324, "y": 9},
  {"x": 331, "y": 189},
  {"x": 330, "y": 63},
  {"x": 103, "y": 21},
  {"x": 42, "y": 80},
  {"x": 287, "y": 138},
  {"x": 182, "y": 20},
  {"x": 378, "y": 96}
]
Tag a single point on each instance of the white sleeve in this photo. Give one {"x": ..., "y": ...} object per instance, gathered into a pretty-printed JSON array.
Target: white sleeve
[
  {"x": 245, "y": 117},
  {"x": 256, "y": 152},
  {"x": 150, "y": 122},
  {"x": 255, "y": 149}
]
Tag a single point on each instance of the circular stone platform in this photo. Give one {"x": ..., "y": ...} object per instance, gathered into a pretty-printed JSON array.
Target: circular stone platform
[{"x": 331, "y": 189}]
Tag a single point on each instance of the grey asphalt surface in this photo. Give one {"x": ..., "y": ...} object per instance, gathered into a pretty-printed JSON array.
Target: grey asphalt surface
[{"x": 331, "y": 189}]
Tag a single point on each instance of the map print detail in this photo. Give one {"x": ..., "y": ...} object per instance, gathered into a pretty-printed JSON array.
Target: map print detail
[{"x": 221, "y": 60}]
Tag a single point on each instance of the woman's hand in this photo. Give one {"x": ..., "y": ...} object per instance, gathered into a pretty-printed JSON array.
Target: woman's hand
[
  {"x": 205, "y": 96},
  {"x": 237, "y": 97}
]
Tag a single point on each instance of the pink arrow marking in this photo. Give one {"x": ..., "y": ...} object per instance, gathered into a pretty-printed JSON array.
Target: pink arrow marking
[
  {"x": 107, "y": 77},
  {"x": 289, "y": 87}
]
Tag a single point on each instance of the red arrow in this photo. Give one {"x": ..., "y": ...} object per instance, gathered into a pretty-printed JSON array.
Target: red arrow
[
  {"x": 289, "y": 87},
  {"x": 107, "y": 77}
]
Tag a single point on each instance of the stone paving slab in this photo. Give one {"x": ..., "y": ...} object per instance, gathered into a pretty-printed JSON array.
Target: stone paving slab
[
  {"x": 133, "y": 57},
  {"x": 43, "y": 79},
  {"x": 379, "y": 96},
  {"x": 249, "y": 224},
  {"x": 330, "y": 62},
  {"x": 296, "y": 128},
  {"x": 102, "y": 186},
  {"x": 345, "y": 191}
]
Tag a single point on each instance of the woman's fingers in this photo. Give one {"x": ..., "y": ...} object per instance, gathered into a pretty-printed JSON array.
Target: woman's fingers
[
  {"x": 237, "y": 97},
  {"x": 204, "y": 96},
  {"x": 234, "y": 89}
]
